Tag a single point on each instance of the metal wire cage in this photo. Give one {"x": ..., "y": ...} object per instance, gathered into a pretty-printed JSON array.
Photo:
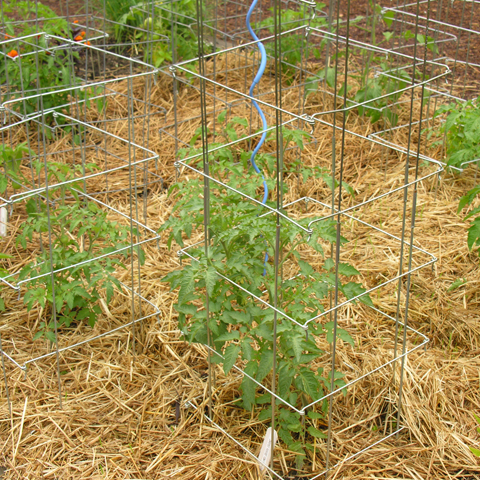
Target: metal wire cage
[
  {"x": 324, "y": 106},
  {"x": 66, "y": 197}
]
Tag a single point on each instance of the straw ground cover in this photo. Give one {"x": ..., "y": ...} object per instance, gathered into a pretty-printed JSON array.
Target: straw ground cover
[{"x": 123, "y": 414}]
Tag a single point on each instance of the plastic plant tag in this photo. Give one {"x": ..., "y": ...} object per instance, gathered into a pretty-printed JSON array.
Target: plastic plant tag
[
  {"x": 266, "y": 450},
  {"x": 3, "y": 221}
]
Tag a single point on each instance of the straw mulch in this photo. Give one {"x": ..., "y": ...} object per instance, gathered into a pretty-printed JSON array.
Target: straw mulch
[{"x": 123, "y": 412}]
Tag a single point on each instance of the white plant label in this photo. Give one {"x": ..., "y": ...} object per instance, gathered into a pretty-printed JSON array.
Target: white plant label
[
  {"x": 266, "y": 450},
  {"x": 3, "y": 221}
]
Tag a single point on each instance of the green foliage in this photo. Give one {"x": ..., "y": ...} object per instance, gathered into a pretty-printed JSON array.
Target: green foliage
[
  {"x": 462, "y": 131},
  {"x": 240, "y": 327},
  {"x": 476, "y": 451},
  {"x": 473, "y": 238},
  {"x": 122, "y": 12},
  {"x": 10, "y": 161},
  {"x": 294, "y": 45},
  {"x": 54, "y": 72},
  {"x": 457, "y": 284},
  {"x": 385, "y": 82},
  {"x": 79, "y": 231},
  {"x": 39, "y": 68},
  {"x": 170, "y": 19},
  {"x": 31, "y": 10}
]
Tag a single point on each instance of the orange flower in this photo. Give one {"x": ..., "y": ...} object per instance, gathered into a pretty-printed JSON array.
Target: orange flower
[
  {"x": 78, "y": 38},
  {"x": 12, "y": 54},
  {"x": 82, "y": 34},
  {"x": 75, "y": 21},
  {"x": 7, "y": 37},
  {"x": 87, "y": 43}
]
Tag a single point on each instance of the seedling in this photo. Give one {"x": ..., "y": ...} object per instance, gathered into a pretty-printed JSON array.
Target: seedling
[{"x": 79, "y": 231}]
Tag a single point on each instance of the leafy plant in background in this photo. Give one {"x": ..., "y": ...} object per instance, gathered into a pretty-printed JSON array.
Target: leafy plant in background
[
  {"x": 31, "y": 10},
  {"x": 461, "y": 130},
  {"x": 122, "y": 13},
  {"x": 293, "y": 46},
  {"x": 473, "y": 238},
  {"x": 10, "y": 162},
  {"x": 387, "y": 80},
  {"x": 80, "y": 231},
  {"x": 169, "y": 19},
  {"x": 36, "y": 68},
  {"x": 241, "y": 234}
]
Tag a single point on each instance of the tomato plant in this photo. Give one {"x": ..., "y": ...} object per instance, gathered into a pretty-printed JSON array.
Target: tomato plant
[
  {"x": 461, "y": 132},
  {"x": 474, "y": 450},
  {"x": 473, "y": 238},
  {"x": 293, "y": 45},
  {"x": 167, "y": 20},
  {"x": 238, "y": 327},
  {"x": 10, "y": 161},
  {"x": 79, "y": 231},
  {"x": 35, "y": 65},
  {"x": 29, "y": 11}
]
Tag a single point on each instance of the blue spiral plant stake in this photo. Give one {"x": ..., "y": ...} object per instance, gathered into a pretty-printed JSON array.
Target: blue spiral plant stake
[{"x": 258, "y": 76}]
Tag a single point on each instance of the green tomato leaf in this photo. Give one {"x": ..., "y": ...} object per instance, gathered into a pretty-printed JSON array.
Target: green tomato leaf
[
  {"x": 265, "y": 365},
  {"x": 231, "y": 354},
  {"x": 210, "y": 279},
  {"x": 233, "y": 335},
  {"x": 475, "y": 451},
  {"x": 316, "y": 433},
  {"x": 473, "y": 237},
  {"x": 49, "y": 335},
  {"x": 248, "y": 386},
  {"x": 347, "y": 270}
]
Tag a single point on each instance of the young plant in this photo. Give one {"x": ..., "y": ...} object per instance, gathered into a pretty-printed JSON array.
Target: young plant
[
  {"x": 239, "y": 328},
  {"x": 79, "y": 231},
  {"x": 461, "y": 128},
  {"x": 294, "y": 45},
  {"x": 28, "y": 12},
  {"x": 122, "y": 13},
  {"x": 462, "y": 135},
  {"x": 37, "y": 67},
  {"x": 10, "y": 162},
  {"x": 473, "y": 238},
  {"x": 170, "y": 19},
  {"x": 385, "y": 82}
]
